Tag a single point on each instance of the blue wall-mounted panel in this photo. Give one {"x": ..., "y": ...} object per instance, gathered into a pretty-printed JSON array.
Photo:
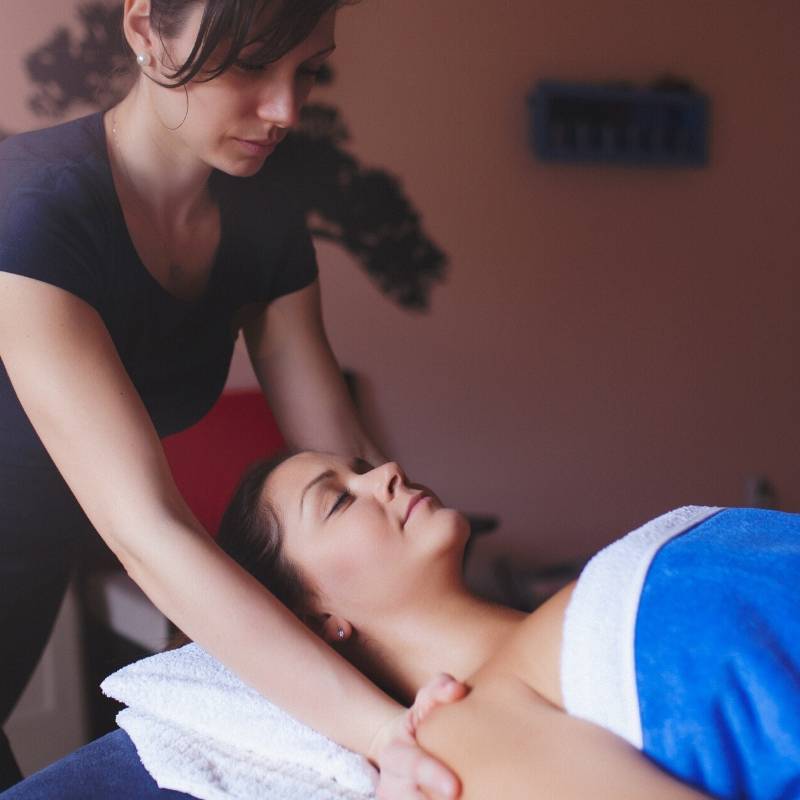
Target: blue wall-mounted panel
[{"x": 619, "y": 124}]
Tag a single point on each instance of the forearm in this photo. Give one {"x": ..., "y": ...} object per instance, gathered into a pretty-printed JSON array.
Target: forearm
[
  {"x": 80, "y": 400},
  {"x": 319, "y": 416},
  {"x": 302, "y": 380},
  {"x": 228, "y": 613},
  {"x": 341, "y": 431}
]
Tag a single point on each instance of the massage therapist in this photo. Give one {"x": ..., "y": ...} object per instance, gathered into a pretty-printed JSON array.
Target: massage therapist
[{"x": 134, "y": 245}]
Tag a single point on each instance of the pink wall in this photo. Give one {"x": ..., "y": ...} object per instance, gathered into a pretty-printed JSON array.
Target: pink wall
[{"x": 610, "y": 342}]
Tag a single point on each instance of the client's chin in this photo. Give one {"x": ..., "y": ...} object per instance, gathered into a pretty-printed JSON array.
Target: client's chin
[{"x": 445, "y": 532}]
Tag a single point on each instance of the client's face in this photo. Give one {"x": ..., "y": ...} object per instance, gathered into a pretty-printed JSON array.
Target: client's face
[{"x": 368, "y": 539}]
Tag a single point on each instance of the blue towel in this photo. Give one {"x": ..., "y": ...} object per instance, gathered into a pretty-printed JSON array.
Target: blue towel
[
  {"x": 718, "y": 655},
  {"x": 683, "y": 637}
]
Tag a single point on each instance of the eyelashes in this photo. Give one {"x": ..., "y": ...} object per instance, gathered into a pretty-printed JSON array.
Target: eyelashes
[{"x": 339, "y": 501}]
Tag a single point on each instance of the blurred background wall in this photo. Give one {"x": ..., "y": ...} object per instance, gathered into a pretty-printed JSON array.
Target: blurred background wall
[{"x": 610, "y": 342}]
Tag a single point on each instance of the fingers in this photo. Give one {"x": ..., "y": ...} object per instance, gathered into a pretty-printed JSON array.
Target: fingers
[
  {"x": 410, "y": 774},
  {"x": 450, "y": 688},
  {"x": 442, "y": 689},
  {"x": 407, "y": 771},
  {"x": 436, "y": 779}
]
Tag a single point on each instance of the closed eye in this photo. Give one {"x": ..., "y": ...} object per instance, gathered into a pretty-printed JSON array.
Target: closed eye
[{"x": 339, "y": 501}]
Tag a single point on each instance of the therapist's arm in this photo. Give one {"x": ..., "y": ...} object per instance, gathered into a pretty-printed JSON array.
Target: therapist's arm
[
  {"x": 301, "y": 379},
  {"x": 70, "y": 381}
]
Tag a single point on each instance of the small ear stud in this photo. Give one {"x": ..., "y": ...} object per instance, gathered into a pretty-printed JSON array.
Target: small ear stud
[
  {"x": 340, "y": 633},
  {"x": 143, "y": 59}
]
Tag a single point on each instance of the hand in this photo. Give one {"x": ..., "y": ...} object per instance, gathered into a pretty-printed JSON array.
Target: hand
[{"x": 407, "y": 771}]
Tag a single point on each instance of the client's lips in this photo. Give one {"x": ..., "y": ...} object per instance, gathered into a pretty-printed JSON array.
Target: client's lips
[{"x": 414, "y": 500}]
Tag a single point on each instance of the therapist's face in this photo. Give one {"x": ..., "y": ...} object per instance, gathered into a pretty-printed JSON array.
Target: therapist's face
[
  {"x": 371, "y": 542},
  {"x": 234, "y": 121}
]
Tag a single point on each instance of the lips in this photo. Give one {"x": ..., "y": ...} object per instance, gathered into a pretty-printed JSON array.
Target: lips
[
  {"x": 263, "y": 142},
  {"x": 414, "y": 500}
]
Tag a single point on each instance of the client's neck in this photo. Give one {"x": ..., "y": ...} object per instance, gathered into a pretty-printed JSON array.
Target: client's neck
[{"x": 456, "y": 634}]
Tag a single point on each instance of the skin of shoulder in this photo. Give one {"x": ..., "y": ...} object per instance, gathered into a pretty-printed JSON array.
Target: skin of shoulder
[{"x": 511, "y": 738}]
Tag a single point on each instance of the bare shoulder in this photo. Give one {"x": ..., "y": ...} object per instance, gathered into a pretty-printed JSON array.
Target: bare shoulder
[
  {"x": 533, "y": 653},
  {"x": 505, "y": 740},
  {"x": 511, "y": 738}
]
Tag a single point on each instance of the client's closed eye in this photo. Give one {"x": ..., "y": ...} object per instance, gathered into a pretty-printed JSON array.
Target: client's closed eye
[{"x": 339, "y": 501}]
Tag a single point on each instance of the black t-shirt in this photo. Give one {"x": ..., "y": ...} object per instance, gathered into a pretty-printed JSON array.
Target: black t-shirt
[{"x": 61, "y": 223}]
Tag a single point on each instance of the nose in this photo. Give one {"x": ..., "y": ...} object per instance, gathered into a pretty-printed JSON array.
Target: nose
[
  {"x": 280, "y": 103},
  {"x": 384, "y": 481}
]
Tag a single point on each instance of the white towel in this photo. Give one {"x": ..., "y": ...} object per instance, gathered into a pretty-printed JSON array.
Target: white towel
[
  {"x": 598, "y": 661},
  {"x": 198, "y": 729}
]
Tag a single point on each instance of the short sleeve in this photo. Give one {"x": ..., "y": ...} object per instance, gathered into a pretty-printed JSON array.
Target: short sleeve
[
  {"x": 48, "y": 231},
  {"x": 297, "y": 264}
]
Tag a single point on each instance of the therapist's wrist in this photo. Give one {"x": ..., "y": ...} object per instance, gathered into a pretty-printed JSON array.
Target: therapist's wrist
[{"x": 385, "y": 732}]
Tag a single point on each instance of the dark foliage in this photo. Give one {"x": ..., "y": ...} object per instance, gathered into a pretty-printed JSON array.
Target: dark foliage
[
  {"x": 364, "y": 210},
  {"x": 88, "y": 70}
]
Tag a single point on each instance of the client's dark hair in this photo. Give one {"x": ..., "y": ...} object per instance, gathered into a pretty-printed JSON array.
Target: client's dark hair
[
  {"x": 252, "y": 535},
  {"x": 228, "y": 24}
]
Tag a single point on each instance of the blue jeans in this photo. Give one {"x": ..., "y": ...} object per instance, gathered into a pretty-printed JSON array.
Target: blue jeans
[{"x": 105, "y": 769}]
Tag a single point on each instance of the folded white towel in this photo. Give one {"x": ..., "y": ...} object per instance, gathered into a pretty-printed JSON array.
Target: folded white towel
[
  {"x": 598, "y": 660},
  {"x": 198, "y": 729}
]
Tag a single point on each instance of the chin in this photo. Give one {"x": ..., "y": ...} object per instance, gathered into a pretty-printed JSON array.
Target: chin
[
  {"x": 237, "y": 166},
  {"x": 448, "y": 532},
  {"x": 457, "y": 521},
  {"x": 241, "y": 169}
]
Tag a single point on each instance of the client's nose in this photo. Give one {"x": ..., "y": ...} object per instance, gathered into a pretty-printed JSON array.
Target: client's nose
[{"x": 387, "y": 478}]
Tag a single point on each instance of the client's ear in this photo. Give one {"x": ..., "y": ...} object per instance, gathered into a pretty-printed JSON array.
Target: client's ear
[{"x": 336, "y": 630}]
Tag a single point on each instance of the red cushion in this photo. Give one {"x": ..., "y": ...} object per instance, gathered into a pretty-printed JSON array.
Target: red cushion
[{"x": 208, "y": 459}]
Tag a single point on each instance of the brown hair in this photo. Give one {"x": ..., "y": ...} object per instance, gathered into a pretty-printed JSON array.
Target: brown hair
[
  {"x": 228, "y": 24},
  {"x": 252, "y": 535}
]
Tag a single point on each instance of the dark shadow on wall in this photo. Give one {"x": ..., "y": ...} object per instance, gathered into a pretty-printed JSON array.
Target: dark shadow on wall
[{"x": 362, "y": 209}]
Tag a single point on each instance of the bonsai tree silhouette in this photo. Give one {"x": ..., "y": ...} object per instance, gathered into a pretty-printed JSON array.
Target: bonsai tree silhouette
[{"x": 362, "y": 209}]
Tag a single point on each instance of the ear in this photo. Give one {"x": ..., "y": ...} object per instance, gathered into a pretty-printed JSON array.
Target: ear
[
  {"x": 136, "y": 25},
  {"x": 336, "y": 630}
]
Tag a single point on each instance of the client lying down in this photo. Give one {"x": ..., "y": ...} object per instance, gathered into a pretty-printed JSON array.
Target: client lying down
[{"x": 671, "y": 669}]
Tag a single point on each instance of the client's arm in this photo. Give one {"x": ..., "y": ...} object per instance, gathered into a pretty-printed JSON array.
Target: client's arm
[{"x": 504, "y": 740}]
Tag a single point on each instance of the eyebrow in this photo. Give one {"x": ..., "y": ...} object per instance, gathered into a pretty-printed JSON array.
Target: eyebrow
[
  {"x": 356, "y": 465},
  {"x": 329, "y": 473}
]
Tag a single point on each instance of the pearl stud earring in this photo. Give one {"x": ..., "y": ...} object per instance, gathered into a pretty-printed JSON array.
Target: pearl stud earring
[{"x": 143, "y": 59}]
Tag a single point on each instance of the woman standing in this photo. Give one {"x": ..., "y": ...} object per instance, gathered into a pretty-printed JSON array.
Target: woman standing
[{"x": 134, "y": 245}]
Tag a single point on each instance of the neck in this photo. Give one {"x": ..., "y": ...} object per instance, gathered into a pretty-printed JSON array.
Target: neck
[
  {"x": 165, "y": 176},
  {"x": 456, "y": 633}
]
